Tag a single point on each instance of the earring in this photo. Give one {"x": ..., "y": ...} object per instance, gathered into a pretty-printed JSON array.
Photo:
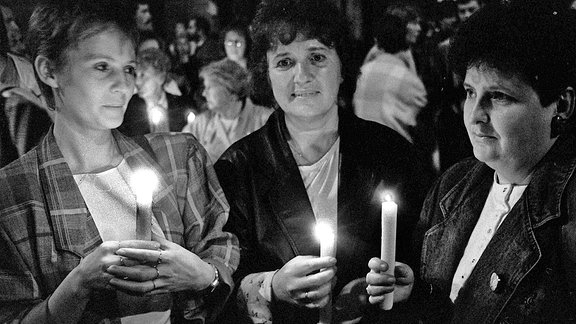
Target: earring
[{"x": 558, "y": 126}]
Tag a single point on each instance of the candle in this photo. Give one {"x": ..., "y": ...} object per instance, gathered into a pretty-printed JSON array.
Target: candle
[
  {"x": 388, "y": 243},
  {"x": 144, "y": 183},
  {"x": 156, "y": 115},
  {"x": 191, "y": 117},
  {"x": 327, "y": 237}
]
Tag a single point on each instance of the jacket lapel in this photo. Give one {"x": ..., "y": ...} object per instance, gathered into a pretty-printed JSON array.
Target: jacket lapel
[{"x": 73, "y": 227}]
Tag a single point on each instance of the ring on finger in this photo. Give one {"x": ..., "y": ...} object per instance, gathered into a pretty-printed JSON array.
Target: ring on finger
[
  {"x": 159, "y": 260},
  {"x": 153, "y": 284},
  {"x": 122, "y": 261},
  {"x": 157, "y": 272}
]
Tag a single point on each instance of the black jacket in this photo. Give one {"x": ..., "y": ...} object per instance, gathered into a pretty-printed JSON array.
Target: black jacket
[{"x": 272, "y": 216}]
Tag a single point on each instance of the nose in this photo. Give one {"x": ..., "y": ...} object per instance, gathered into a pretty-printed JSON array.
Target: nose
[
  {"x": 477, "y": 111},
  {"x": 303, "y": 72},
  {"x": 123, "y": 82}
]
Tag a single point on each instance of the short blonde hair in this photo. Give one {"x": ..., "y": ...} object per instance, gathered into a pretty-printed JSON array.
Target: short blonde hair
[{"x": 230, "y": 75}]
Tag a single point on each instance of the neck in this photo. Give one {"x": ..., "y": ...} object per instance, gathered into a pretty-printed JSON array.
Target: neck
[
  {"x": 311, "y": 140},
  {"x": 154, "y": 97},
  {"x": 86, "y": 151}
]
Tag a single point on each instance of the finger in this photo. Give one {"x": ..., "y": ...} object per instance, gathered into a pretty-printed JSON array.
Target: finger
[
  {"x": 377, "y": 265},
  {"x": 319, "y": 293},
  {"x": 379, "y": 290},
  {"x": 134, "y": 286},
  {"x": 305, "y": 264},
  {"x": 164, "y": 243},
  {"x": 380, "y": 279},
  {"x": 318, "y": 279},
  {"x": 318, "y": 303},
  {"x": 136, "y": 273},
  {"x": 139, "y": 244},
  {"x": 151, "y": 256},
  {"x": 376, "y": 299},
  {"x": 403, "y": 270}
]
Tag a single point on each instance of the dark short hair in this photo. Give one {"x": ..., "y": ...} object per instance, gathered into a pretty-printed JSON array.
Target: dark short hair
[
  {"x": 532, "y": 40},
  {"x": 406, "y": 12},
  {"x": 281, "y": 21},
  {"x": 202, "y": 24},
  {"x": 463, "y": 2},
  {"x": 241, "y": 29},
  {"x": 390, "y": 34},
  {"x": 58, "y": 25}
]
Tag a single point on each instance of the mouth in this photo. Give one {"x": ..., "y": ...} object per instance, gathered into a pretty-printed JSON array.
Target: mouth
[{"x": 304, "y": 94}]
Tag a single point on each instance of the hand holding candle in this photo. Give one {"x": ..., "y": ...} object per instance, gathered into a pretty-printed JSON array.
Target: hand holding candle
[{"x": 388, "y": 243}]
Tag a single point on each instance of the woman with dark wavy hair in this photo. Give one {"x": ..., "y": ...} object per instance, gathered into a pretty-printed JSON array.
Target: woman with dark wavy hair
[
  {"x": 312, "y": 162},
  {"x": 498, "y": 231}
]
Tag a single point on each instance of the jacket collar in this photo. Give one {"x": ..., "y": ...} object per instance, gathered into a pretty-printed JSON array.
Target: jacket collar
[
  {"x": 73, "y": 227},
  {"x": 288, "y": 196}
]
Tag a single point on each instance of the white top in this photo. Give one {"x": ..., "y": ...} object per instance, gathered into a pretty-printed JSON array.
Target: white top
[
  {"x": 321, "y": 183},
  {"x": 501, "y": 199},
  {"x": 112, "y": 205}
]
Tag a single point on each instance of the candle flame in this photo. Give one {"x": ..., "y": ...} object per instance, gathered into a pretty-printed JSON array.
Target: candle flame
[
  {"x": 156, "y": 115},
  {"x": 324, "y": 232},
  {"x": 190, "y": 118},
  {"x": 387, "y": 196},
  {"x": 144, "y": 182}
]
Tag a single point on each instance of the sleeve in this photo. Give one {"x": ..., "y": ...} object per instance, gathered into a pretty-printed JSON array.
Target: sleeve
[
  {"x": 255, "y": 296},
  {"x": 207, "y": 208},
  {"x": 20, "y": 295}
]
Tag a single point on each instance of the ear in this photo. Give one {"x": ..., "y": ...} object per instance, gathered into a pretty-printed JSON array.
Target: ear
[
  {"x": 565, "y": 106},
  {"x": 45, "y": 71}
]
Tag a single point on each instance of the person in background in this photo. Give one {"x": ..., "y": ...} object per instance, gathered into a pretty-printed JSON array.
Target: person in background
[
  {"x": 81, "y": 242},
  {"x": 231, "y": 115},
  {"x": 153, "y": 109},
  {"x": 204, "y": 47},
  {"x": 143, "y": 16},
  {"x": 236, "y": 43},
  {"x": 498, "y": 231},
  {"x": 389, "y": 91},
  {"x": 23, "y": 117},
  {"x": 15, "y": 37},
  {"x": 312, "y": 162}
]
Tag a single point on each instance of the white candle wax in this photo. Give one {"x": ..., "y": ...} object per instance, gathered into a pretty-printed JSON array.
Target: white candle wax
[
  {"x": 327, "y": 237},
  {"x": 144, "y": 184},
  {"x": 388, "y": 244}
]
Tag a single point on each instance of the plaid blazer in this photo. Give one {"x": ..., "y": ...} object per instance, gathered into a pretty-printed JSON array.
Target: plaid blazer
[{"x": 46, "y": 228}]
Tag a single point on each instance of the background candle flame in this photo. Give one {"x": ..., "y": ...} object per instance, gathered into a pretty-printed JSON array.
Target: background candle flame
[{"x": 156, "y": 115}]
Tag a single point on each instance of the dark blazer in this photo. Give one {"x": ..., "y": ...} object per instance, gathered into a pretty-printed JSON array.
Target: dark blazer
[
  {"x": 136, "y": 119},
  {"x": 272, "y": 216},
  {"x": 533, "y": 252}
]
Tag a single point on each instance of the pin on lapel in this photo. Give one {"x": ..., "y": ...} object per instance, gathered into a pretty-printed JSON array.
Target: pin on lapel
[{"x": 495, "y": 282}]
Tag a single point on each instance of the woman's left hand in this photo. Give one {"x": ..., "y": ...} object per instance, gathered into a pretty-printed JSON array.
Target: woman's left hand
[{"x": 169, "y": 269}]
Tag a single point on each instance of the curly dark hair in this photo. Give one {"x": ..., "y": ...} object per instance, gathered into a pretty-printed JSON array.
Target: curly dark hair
[
  {"x": 280, "y": 22},
  {"x": 530, "y": 39}
]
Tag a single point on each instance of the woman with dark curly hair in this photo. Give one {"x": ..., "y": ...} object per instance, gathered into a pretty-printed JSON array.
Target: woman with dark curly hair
[
  {"x": 313, "y": 162},
  {"x": 498, "y": 232}
]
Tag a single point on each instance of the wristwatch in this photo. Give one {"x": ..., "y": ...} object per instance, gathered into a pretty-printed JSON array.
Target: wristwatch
[{"x": 214, "y": 284}]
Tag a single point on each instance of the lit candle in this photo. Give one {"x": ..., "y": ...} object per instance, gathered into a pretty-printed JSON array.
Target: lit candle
[
  {"x": 388, "y": 243},
  {"x": 156, "y": 115},
  {"x": 144, "y": 184},
  {"x": 191, "y": 117},
  {"x": 327, "y": 237}
]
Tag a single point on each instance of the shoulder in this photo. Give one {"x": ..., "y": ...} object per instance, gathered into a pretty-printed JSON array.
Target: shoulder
[
  {"x": 19, "y": 181},
  {"x": 175, "y": 144}
]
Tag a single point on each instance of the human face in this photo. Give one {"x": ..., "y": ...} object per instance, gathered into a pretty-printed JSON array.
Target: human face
[
  {"x": 14, "y": 34},
  {"x": 96, "y": 81},
  {"x": 508, "y": 127},
  {"x": 305, "y": 76},
  {"x": 467, "y": 9},
  {"x": 149, "y": 82},
  {"x": 192, "y": 29},
  {"x": 235, "y": 46},
  {"x": 143, "y": 17},
  {"x": 413, "y": 30},
  {"x": 218, "y": 97}
]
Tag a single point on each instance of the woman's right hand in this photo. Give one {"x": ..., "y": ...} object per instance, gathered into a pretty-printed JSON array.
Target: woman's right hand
[
  {"x": 91, "y": 272},
  {"x": 296, "y": 284}
]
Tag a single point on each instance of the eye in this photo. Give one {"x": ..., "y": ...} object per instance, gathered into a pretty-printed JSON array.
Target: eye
[
  {"x": 102, "y": 67},
  {"x": 470, "y": 93},
  {"x": 502, "y": 98},
  {"x": 284, "y": 64},
  {"x": 130, "y": 70},
  {"x": 318, "y": 58}
]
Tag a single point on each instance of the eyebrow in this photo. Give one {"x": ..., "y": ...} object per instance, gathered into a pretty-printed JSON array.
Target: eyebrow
[
  {"x": 309, "y": 49},
  {"x": 90, "y": 57}
]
